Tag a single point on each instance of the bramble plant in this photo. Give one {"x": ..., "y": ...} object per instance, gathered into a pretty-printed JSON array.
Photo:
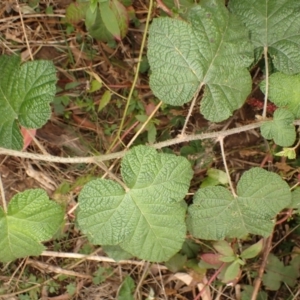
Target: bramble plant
[{"x": 144, "y": 214}]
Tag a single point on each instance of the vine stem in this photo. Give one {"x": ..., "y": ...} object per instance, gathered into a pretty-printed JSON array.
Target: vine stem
[
  {"x": 264, "y": 114},
  {"x": 110, "y": 156},
  {"x": 221, "y": 141}
]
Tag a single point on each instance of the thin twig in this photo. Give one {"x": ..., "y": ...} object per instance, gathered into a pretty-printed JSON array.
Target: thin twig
[
  {"x": 95, "y": 258},
  {"x": 136, "y": 75},
  {"x": 191, "y": 108},
  {"x": 144, "y": 125},
  {"x": 262, "y": 267},
  {"x": 3, "y": 195},
  {"x": 221, "y": 141},
  {"x": 24, "y": 30},
  {"x": 264, "y": 114}
]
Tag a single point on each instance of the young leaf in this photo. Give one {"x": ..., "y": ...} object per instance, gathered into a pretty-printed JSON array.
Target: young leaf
[
  {"x": 211, "y": 49},
  {"x": 216, "y": 214},
  {"x": 109, "y": 19},
  {"x": 253, "y": 250},
  {"x": 273, "y": 24},
  {"x": 30, "y": 219},
  {"x": 274, "y": 271},
  {"x": 284, "y": 91},
  {"x": 211, "y": 259},
  {"x": 146, "y": 219},
  {"x": 106, "y": 97},
  {"x": 127, "y": 289},
  {"x": 25, "y": 93},
  {"x": 223, "y": 248},
  {"x": 290, "y": 153},
  {"x": 231, "y": 272},
  {"x": 281, "y": 128}
]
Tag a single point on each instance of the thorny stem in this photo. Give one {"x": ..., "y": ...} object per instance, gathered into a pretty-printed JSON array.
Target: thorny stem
[
  {"x": 264, "y": 114},
  {"x": 106, "y": 157},
  {"x": 221, "y": 141}
]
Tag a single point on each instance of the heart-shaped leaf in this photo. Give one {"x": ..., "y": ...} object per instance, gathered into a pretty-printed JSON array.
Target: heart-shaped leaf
[
  {"x": 211, "y": 49},
  {"x": 25, "y": 93},
  {"x": 281, "y": 128},
  {"x": 31, "y": 218},
  {"x": 216, "y": 214},
  {"x": 275, "y": 25},
  {"x": 147, "y": 218}
]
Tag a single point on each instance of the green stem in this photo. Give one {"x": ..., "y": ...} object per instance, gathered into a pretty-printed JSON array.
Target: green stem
[
  {"x": 264, "y": 114},
  {"x": 135, "y": 76},
  {"x": 221, "y": 141}
]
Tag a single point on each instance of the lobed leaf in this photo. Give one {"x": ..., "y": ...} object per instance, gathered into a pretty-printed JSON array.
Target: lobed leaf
[
  {"x": 25, "y": 93},
  {"x": 147, "y": 219},
  {"x": 216, "y": 214},
  {"x": 273, "y": 24},
  {"x": 284, "y": 91},
  {"x": 30, "y": 219},
  {"x": 210, "y": 49},
  {"x": 281, "y": 128}
]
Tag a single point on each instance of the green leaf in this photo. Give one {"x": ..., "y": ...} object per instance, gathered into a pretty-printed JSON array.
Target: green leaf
[
  {"x": 190, "y": 248},
  {"x": 231, "y": 272},
  {"x": 223, "y": 248},
  {"x": 274, "y": 271},
  {"x": 214, "y": 177},
  {"x": 273, "y": 24},
  {"x": 95, "y": 86},
  {"x": 176, "y": 263},
  {"x": 290, "y": 153},
  {"x": 211, "y": 49},
  {"x": 227, "y": 258},
  {"x": 127, "y": 289},
  {"x": 284, "y": 91},
  {"x": 116, "y": 252},
  {"x": 146, "y": 219},
  {"x": 105, "y": 99},
  {"x": 25, "y": 93},
  {"x": 216, "y": 214},
  {"x": 281, "y": 128},
  {"x": 30, "y": 219},
  {"x": 109, "y": 20},
  {"x": 248, "y": 291},
  {"x": 75, "y": 12},
  {"x": 253, "y": 250},
  {"x": 295, "y": 199}
]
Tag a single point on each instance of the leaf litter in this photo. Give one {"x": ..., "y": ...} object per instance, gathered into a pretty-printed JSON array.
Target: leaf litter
[{"x": 78, "y": 127}]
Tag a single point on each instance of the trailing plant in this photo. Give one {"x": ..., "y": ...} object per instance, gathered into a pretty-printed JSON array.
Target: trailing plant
[{"x": 144, "y": 213}]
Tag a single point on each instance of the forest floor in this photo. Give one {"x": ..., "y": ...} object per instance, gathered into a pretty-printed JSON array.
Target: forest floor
[{"x": 85, "y": 122}]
